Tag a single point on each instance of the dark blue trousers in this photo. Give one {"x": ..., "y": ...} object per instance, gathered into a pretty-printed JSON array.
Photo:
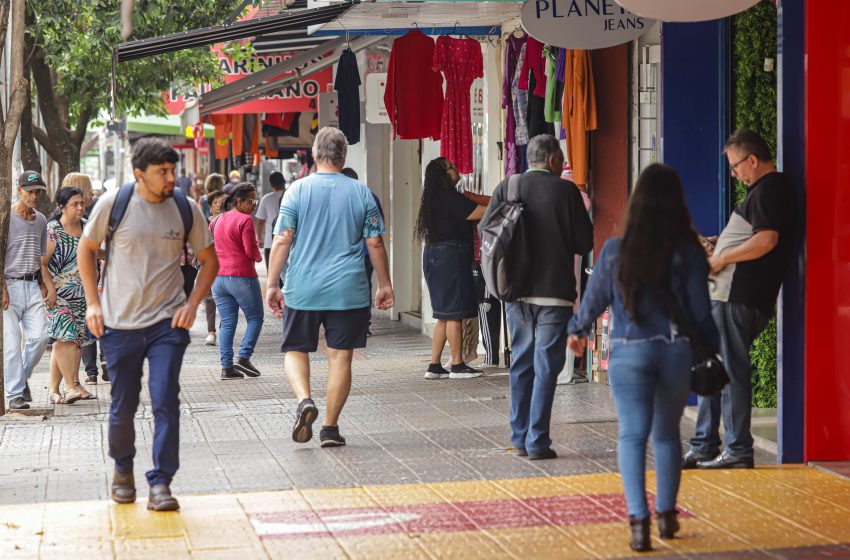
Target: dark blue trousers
[{"x": 125, "y": 352}]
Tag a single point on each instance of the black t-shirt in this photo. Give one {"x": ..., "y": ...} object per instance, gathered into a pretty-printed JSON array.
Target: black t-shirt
[
  {"x": 450, "y": 211},
  {"x": 770, "y": 204},
  {"x": 347, "y": 86}
]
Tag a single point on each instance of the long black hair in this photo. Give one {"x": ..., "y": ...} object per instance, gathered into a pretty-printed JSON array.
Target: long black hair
[
  {"x": 657, "y": 220},
  {"x": 436, "y": 177},
  {"x": 239, "y": 192},
  {"x": 64, "y": 195}
]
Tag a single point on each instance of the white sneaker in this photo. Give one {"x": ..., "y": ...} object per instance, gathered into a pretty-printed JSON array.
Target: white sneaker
[{"x": 210, "y": 341}]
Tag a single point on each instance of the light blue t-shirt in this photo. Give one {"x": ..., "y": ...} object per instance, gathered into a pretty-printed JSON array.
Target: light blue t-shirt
[{"x": 329, "y": 215}]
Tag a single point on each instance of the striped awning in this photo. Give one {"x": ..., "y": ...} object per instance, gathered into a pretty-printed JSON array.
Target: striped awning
[
  {"x": 288, "y": 21},
  {"x": 287, "y": 41}
]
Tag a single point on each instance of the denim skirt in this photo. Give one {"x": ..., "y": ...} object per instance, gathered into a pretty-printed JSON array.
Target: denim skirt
[{"x": 448, "y": 274}]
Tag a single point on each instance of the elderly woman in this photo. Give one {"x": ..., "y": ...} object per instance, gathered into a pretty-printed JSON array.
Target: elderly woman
[
  {"x": 66, "y": 302},
  {"x": 445, "y": 226}
]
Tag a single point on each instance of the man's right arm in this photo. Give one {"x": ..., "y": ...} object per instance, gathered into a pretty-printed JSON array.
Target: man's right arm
[{"x": 86, "y": 261}]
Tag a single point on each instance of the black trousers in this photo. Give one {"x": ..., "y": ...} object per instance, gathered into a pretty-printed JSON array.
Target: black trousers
[
  {"x": 490, "y": 319},
  {"x": 90, "y": 357}
]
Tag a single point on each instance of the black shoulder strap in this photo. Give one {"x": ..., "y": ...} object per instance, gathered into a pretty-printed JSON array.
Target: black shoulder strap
[
  {"x": 116, "y": 214},
  {"x": 513, "y": 187},
  {"x": 185, "y": 213}
]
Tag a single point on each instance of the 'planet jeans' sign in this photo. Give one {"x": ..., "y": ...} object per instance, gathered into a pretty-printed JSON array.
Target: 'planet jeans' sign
[{"x": 581, "y": 24}]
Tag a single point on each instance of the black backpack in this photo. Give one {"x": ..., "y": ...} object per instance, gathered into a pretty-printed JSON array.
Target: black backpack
[
  {"x": 505, "y": 259},
  {"x": 119, "y": 208}
]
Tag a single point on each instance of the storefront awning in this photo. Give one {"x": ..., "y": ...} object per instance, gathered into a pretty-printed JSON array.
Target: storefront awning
[
  {"x": 279, "y": 76},
  {"x": 293, "y": 20},
  {"x": 287, "y": 41}
]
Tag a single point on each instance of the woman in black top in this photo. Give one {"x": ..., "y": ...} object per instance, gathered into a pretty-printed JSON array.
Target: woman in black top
[{"x": 445, "y": 226}]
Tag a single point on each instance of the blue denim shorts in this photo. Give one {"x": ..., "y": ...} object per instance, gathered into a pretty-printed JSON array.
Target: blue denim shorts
[{"x": 448, "y": 274}]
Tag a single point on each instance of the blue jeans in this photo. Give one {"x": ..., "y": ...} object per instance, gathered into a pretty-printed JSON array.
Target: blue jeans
[
  {"x": 125, "y": 352},
  {"x": 739, "y": 325},
  {"x": 650, "y": 382},
  {"x": 538, "y": 338},
  {"x": 232, "y": 293},
  {"x": 26, "y": 311}
]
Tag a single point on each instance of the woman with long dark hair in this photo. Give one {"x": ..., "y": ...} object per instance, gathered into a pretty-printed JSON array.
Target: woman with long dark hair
[
  {"x": 656, "y": 280},
  {"x": 237, "y": 285},
  {"x": 66, "y": 302},
  {"x": 445, "y": 227}
]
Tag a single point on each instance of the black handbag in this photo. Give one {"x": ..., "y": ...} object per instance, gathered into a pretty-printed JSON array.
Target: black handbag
[{"x": 708, "y": 374}]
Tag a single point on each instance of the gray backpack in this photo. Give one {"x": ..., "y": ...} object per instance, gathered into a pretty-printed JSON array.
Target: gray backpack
[{"x": 505, "y": 260}]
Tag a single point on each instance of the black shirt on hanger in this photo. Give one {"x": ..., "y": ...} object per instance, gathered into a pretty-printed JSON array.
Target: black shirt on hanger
[{"x": 347, "y": 85}]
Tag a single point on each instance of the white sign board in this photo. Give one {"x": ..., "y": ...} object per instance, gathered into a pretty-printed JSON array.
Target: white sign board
[
  {"x": 329, "y": 110},
  {"x": 581, "y": 24},
  {"x": 376, "y": 112},
  {"x": 687, "y": 10}
]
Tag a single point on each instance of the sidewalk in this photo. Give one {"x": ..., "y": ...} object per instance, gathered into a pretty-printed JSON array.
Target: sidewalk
[{"x": 427, "y": 473}]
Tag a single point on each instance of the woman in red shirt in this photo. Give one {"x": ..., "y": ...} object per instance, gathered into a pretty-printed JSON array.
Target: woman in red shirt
[{"x": 237, "y": 285}]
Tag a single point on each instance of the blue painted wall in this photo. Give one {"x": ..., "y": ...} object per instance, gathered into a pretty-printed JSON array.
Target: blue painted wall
[{"x": 694, "y": 116}]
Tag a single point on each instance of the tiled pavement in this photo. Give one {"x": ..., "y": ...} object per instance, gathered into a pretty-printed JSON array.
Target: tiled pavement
[{"x": 427, "y": 473}]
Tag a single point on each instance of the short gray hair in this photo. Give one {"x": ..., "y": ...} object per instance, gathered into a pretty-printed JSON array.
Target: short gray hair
[
  {"x": 330, "y": 146},
  {"x": 541, "y": 148}
]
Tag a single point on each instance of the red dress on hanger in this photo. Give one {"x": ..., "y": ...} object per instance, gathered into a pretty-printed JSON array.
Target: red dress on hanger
[
  {"x": 414, "y": 94},
  {"x": 461, "y": 63}
]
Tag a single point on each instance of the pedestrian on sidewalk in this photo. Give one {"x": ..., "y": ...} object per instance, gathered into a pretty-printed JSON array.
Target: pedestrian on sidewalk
[
  {"x": 237, "y": 285},
  {"x": 214, "y": 182},
  {"x": 558, "y": 228},
  {"x": 215, "y": 199},
  {"x": 747, "y": 264},
  {"x": 655, "y": 280},
  {"x": 82, "y": 182},
  {"x": 145, "y": 312},
  {"x": 66, "y": 302},
  {"x": 323, "y": 219},
  {"x": 267, "y": 214},
  {"x": 445, "y": 227},
  {"x": 24, "y": 291}
]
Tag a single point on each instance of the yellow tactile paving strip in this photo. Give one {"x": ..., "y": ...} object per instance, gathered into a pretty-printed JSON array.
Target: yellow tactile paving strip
[{"x": 727, "y": 512}]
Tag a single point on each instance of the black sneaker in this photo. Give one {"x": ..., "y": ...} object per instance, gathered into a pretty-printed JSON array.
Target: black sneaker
[
  {"x": 436, "y": 371},
  {"x": 305, "y": 415},
  {"x": 329, "y": 436},
  {"x": 245, "y": 366},
  {"x": 463, "y": 371},
  {"x": 229, "y": 373},
  {"x": 547, "y": 453},
  {"x": 105, "y": 375},
  {"x": 91, "y": 378},
  {"x": 18, "y": 403},
  {"x": 27, "y": 394}
]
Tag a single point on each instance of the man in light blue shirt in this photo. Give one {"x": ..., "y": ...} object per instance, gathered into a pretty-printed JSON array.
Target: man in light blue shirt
[{"x": 323, "y": 221}]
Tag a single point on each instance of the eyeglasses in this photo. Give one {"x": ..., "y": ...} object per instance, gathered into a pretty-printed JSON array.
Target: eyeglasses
[{"x": 733, "y": 167}]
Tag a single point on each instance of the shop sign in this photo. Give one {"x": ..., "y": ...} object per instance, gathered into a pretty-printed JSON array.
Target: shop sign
[
  {"x": 581, "y": 24},
  {"x": 687, "y": 10},
  {"x": 376, "y": 111},
  {"x": 329, "y": 110},
  {"x": 301, "y": 95}
]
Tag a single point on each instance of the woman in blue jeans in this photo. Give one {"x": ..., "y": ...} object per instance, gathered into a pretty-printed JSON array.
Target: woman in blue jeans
[
  {"x": 237, "y": 286},
  {"x": 654, "y": 278}
]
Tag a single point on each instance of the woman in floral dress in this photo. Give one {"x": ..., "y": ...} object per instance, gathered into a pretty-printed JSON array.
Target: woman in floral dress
[{"x": 66, "y": 302}]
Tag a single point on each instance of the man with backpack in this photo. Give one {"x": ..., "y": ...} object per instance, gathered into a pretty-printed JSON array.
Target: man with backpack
[
  {"x": 534, "y": 226},
  {"x": 144, "y": 312}
]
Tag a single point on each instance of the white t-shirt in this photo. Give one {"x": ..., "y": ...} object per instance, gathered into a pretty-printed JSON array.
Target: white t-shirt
[
  {"x": 268, "y": 211},
  {"x": 144, "y": 284}
]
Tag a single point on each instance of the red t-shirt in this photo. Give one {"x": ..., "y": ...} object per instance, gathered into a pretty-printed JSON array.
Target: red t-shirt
[
  {"x": 236, "y": 244},
  {"x": 414, "y": 94}
]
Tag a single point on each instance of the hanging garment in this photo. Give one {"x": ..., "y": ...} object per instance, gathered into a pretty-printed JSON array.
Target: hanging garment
[
  {"x": 537, "y": 112},
  {"x": 512, "y": 52},
  {"x": 222, "y": 135},
  {"x": 414, "y": 93},
  {"x": 533, "y": 65},
  {"x": 461, "y": 62},
  {"x": 554, "y": 88},
  {"x": 579, "y": 114},
  {"x": 237, "y": 128},
  {"x": 347, "y": 86},
  {"x": 520, "y": 99}
]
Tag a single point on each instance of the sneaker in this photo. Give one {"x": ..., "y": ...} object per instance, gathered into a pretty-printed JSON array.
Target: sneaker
[
  {"x": 329, "y": 436},
  {"x": 436, "y": 371},
  {"x": 305, "y": 415},
  {"x": 210, "y": 340},
  {"x": 245, "y": 366},
  {"x": 547, "y": 453},
  {"x": 27, "y": 394},
  {"x": 91, "y": 379},
  {"x": 230, "y": 373},
  {"x": 105, "y": 375},
  {"x": 18, "y": 403},
  {"x": 463, "y": 371}
]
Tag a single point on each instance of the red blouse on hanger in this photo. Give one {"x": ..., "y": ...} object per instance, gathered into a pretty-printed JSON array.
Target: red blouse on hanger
[
  {"x": 414, "y": 94},
  {"x": 461, "y": 62},
  {"x": 534, "y": 62}
]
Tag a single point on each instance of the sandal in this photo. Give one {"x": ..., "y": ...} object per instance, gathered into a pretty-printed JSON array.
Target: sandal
[
  {"x": 72, "y": 396},
  {"x": 85, "y": 395},
  {"x": 56, "y": 398}
]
